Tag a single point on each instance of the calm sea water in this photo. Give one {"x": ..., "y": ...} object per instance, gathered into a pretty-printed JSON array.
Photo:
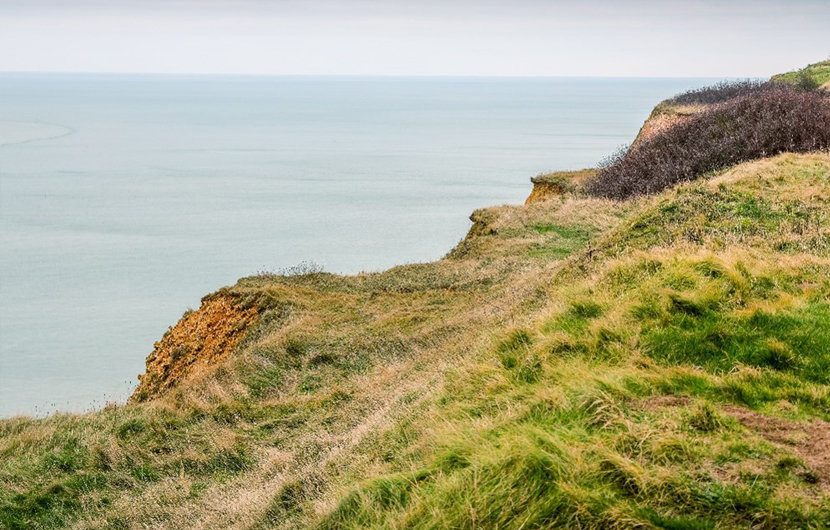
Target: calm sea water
[{"x": 124, "y": 199}]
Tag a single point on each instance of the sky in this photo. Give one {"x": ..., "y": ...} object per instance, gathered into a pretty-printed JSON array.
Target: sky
[{"x": 658, "y": 38}]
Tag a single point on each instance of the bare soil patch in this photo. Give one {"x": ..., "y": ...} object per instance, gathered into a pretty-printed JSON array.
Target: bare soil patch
[
  {"x": 659, "y": 402},
  {"x": 810, "y": 441}
]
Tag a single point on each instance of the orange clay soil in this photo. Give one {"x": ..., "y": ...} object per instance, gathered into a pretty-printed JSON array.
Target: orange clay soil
[{"x": 200, "y": 339}]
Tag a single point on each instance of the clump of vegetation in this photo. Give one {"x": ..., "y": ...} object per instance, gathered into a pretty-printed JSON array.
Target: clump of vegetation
[
  {"x": 303, "y": 268},
  {"x": 722, "y": 91},
  {"x": 762, "y": 124}
]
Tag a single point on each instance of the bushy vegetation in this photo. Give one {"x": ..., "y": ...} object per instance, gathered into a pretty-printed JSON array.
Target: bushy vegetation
[
  {"x": 302, "y": 268},
  {"x": 761, "y": 124},
  {"x": 722, "y": 91}
]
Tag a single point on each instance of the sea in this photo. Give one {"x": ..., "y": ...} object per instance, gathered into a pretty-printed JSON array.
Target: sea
[{"x": 126, "y": 198}]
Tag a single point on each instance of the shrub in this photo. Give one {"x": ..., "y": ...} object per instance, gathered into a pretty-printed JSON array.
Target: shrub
[
  {"x": 805, "y": 81},
  {"x": 303, "y": 268},
  {"x": 723, "y": 91},
  {"x": 762, "y": 124}
]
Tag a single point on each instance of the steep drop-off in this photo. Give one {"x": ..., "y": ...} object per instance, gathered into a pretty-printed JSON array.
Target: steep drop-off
[
  {"x": 557, "y": 184},
  {"x": 201, "y": 339},
  {"x": 664, "y": 116}
]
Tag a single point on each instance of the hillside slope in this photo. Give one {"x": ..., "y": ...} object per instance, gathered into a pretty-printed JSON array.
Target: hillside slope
[
  {"x": 560, "y": 366},
  {"x": 811, "y": 76},
  {"x": 676, "y": 378},
  {"x": 659, "y": 362}
]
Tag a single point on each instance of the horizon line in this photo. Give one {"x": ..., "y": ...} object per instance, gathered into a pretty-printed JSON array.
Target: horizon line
[{"x": 262, "y": 74}]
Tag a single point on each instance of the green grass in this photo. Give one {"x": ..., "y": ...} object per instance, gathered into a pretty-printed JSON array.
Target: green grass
[
  {"x": 809, "y": 77},
  {"x": 573, "y": 446},
  {"x": 91, "y": 460},
  {"x": 560, "y": 241}
]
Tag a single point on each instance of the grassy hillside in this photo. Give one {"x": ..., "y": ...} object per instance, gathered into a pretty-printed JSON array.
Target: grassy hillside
[
  {"x": 677, "y": 377},
  {"x": 332, "y": 366},
  {"x": 576, "y": 362},
  {"x": 812, "y": 76}
]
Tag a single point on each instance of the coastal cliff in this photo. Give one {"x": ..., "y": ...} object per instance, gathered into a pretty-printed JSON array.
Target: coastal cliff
[
  {"x": 557, "y": 184},
  {"x": 579, "y": 361},
  {"x": 211, "y": 333},
  {"x": 201, "y": 339},
  {"x": 664, "y": 116}
]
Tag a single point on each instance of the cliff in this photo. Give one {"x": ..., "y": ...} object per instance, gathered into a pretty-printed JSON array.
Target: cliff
[
  {"x": 670, "y": 112},
  {"x": 664, "y": 116},
  {"x": 557, "y": 184},
  {"x": 201, "y": 339},
  {"x": 575, "y": 362}
]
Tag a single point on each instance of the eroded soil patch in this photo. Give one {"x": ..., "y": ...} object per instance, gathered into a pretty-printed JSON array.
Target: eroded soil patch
[{"x": 810, "y": 441}]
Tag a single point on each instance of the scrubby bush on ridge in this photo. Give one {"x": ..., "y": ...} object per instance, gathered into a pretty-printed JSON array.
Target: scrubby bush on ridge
[
  {"x": 764, "y": 123},
  {"x": 722, "y": 91}
]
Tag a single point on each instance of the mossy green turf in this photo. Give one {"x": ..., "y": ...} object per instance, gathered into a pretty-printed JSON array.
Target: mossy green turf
[{"x": 571, "y": 364}]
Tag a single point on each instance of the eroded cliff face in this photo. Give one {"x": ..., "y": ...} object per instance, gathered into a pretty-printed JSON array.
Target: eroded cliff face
[
  {"x": 544, "y": 190},
  {"x": 554, "y": 185},
  {"x": 551, "y": 185},
  {"x": 664, "y": 116},
  {"x": 201, "y": 338}
]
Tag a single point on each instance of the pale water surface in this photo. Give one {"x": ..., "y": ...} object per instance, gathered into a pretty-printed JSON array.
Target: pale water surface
[{"x": 124, "y": 199}]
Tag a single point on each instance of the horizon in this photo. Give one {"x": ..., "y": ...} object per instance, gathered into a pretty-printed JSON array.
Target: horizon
[
  {"x": 364, "y": 76},
  {"x": 403, "y": 38}
]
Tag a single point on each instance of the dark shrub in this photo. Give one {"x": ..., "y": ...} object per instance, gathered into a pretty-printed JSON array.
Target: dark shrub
[
  {"x": 805, "y": 81},
  {"x": 759, "y": 125},
  {"x": 723, "y": 91}
]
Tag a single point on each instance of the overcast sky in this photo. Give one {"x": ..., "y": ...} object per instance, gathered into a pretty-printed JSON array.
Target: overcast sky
[{"x": 738, "y": 38}]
